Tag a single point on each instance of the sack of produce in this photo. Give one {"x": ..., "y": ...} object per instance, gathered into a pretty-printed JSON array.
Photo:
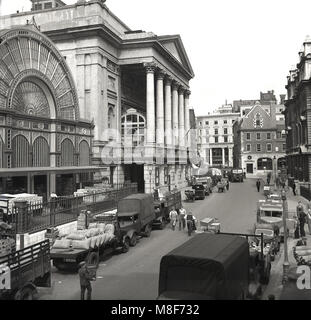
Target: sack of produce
[
  {"x": 98, "y": 241},
  {"x": 81, "y": 244},
  {"x": 93, "y": 232},
  {"x": 101, "y": 227},
  {"x": 62, "y": 244},
  {"x": 93, "y": 225},
  {"x": 103, "y": 239},
  {"x": 109, "y": 228},
  {"x": 77, "y": 236},
  {"x": 93, "y": 242}
]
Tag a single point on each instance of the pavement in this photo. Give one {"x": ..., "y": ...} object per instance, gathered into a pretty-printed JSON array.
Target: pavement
[{"x": 275, "y": 285}]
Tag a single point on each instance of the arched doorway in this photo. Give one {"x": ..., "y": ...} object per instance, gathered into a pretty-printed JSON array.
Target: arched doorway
[
  {"x": 282, "y": 163},
  {"x": 264, "y": 164}
]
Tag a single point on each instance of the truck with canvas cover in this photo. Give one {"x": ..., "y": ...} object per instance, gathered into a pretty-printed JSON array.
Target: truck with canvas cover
[
  {"x": 164, "y": 202},
  {"x": 136, "y": 215},
  {"x": 22, "y": 271},
  {"x": 101, "y": 236},
  {"x": 207, "y": 267}
]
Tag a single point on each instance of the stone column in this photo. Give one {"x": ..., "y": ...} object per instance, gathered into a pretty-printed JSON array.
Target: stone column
[
  {"x": 230, "y": 157},
  {"x": 168, "y": 111},
  {"x": 211, "y": 157},
  {"x": 150, "y": 104},
  {"x": 181, "y": 106},
  {"x": 187, "y": 118},
  {"x": 160, "y": 108},
  {"x": 175, "y": 112},
  {"x": 223, "y": 156}
]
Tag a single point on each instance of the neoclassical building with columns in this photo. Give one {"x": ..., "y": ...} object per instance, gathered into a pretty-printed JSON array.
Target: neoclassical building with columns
[{"x": 133, "y": 85}]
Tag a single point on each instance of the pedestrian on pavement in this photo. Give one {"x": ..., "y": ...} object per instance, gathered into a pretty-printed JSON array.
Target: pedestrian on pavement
[
  {"x": 294, "y": 188},
  {"x": 302, "y": 217},
  {"x": 268, "y": 178},
  {"x": 309, "y": 220},
  {"x": 173, "y": 218},
  {"x": 227, "y": 185},
  {"x": 258, "y": 185},
  {"x": 190, "y": 218},
  {"x": 85, "y": 281},
  {"x": 181, "y": 218}
]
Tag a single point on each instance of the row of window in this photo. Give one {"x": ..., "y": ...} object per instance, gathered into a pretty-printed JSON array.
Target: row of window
[
  {"x": 216, "y": 122},
  {"x": 225, "y": 140},
  {"x": 259, "y": 147},
  {"x": 216, "y": 132},
  {"x": 268, "y": 136}
]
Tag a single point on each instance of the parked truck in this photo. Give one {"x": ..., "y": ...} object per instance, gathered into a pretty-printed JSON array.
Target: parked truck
[
  {"x": 22, "y": 271},
  {"x": 133, "y": 217},
  {"x": 214, "y": 267}
]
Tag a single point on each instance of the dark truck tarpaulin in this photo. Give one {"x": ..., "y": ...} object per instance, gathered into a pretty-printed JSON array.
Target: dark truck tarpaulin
[{"x": 207, "y": 266}]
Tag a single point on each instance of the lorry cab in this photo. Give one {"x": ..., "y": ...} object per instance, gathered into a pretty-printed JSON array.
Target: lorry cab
[
  {"x": 236, "y": 175},
  {"x": 136, "y": 215}
]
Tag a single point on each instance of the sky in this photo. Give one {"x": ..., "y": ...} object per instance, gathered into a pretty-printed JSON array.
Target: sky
[{"x": 237, "y": 48}]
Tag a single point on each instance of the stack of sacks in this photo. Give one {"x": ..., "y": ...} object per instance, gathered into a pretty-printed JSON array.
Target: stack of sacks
[
  {"x": 109, "y": 230},
  {"x": 62, "y": 244},
  {"x": 80, "y": 240}
]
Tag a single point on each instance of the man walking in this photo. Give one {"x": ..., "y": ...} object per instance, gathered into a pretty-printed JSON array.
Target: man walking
[
  {"x": 85, "y": 281},
  {"x": 258, "y": 185},
  {"x": 302, "y": 220},
  {"x": 181, "y": 218},
  {"x": 227, "y": 185},
  {"x": 294, "y": 188},
  {"x": 173, "y": 218}
]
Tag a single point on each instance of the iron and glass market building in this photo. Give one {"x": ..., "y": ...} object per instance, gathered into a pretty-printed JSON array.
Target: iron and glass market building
[{"x": 45, "y": 147}]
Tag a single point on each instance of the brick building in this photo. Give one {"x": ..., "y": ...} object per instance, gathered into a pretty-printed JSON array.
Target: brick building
[
  {"x": 298, "y": 116},
  {"x": 259, "y": 140}
]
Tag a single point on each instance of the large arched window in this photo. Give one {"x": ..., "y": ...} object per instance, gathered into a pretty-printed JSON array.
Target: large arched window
[
  {"x": 84, "y": 153},
  {"x": 264, "y": 164},
  {"x": 41, "y": 153},
  {"x": 133, "y": 126},
  {"x": 67, "y": 153},
  {"x": 20, "y": 146}
]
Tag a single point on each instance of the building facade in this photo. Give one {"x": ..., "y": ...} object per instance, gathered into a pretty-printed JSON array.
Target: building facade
[
  {"x": 298, "y": 116},
  {"x": 259, "y": 140},
  {"x": 133, "y": 84},
  {"x": 215, "y": 136},
  {"x": 45, "y": 146}
]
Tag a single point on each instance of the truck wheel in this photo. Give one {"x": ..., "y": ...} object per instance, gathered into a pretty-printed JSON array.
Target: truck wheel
[
  {"x": 26, "y": 293},
  {"x": 126, "y": 245},
  {"x": 147, "y": 231},
  {"x": 93, "y": 259},
  {"x": 133, "y": 241}
]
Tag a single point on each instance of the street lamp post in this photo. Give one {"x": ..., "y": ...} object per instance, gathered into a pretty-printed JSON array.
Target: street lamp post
[
  {"x": 274, "y": 172},
  {"x": 150, "y": 174},
  {"x": 286, "y": 262}
]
